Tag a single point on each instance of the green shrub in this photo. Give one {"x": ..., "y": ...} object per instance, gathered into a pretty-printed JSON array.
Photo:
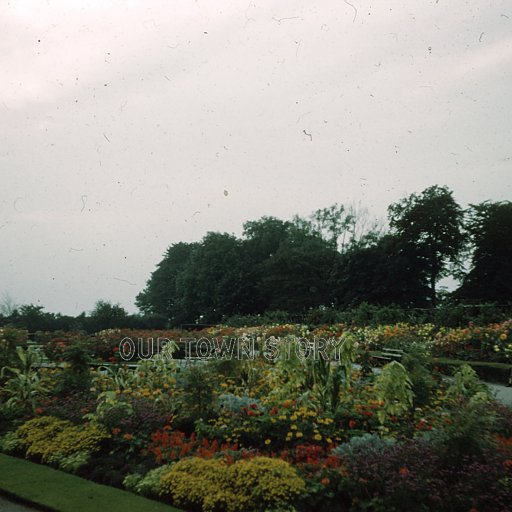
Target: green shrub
[
  {"x": 197, "y": 384},
  {"x": 70, "y": 463},
  {"x": 10, "y": 338},
  {"x": 24, "y": 385},
  {"x": 10, "y": 442},
  {"x": 46, "y": 437},
  {"x": 415, "y": 361},
  {"x": 263, "y": 483},
  {"x": 393, "y": 387},
  {"x": 197, "y": 484},
  {"x": 358, "y": 446},
  {"x": 257, "y": 484},
  {"x": 148, "y": 485},
  {"x": 465, "y": 384}
]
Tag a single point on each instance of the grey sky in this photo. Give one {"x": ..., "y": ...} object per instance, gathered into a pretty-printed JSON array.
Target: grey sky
[{"x": 123, "y": 123}]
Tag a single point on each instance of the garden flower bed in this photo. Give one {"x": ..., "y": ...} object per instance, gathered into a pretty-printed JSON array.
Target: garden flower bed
[{"x": 279, "y": 429}]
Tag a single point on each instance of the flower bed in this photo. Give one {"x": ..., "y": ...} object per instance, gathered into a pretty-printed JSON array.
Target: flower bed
[{"x": 287, "y": 433}]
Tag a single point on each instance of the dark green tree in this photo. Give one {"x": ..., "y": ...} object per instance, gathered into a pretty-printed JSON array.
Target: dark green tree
[
  {"x": 431, "y": 226},
  {"x": 298, "y": 275},
  {"x": 160, "y": 296},
  {"x": 385, "y": 272},
  {"x": 210, "y": 285},
  {"x": 490, "y": 276},
  {"x": 262, "y": 239},
  {"x": 106, "y": 315},
  {"x": 32, "y": 317}
]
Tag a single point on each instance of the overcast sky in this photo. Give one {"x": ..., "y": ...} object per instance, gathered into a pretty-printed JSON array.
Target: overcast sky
[{"x": 128, "y": 126}]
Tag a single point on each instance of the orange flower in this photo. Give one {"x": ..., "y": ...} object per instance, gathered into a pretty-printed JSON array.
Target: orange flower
[
  {"x": 325, "y": 481},
  {"x": 352, "y": 423},
  {"x": 403, "y": 471},
  {"x": 116, "y": 431},
  {"x": 128, "y": 437}
]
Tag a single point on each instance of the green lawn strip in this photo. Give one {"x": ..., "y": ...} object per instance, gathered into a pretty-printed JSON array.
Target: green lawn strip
[
  {"x": 455, "y": 362},
  {"x": 458, "y": 362},
  {"x": 62, "y": 492}
]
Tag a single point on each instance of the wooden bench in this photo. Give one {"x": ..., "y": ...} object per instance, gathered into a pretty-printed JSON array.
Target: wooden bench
[{"x": 389, "y": 354}]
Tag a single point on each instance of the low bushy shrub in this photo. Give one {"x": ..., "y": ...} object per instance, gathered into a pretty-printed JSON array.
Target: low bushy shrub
[
  {"x": 46, "y": 437},
  {"x": 148, "y": 485},
  {"x": 257, "y": 484}
]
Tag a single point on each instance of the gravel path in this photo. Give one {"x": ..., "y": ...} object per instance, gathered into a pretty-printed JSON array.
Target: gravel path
[{"x": 503, "y": 393}]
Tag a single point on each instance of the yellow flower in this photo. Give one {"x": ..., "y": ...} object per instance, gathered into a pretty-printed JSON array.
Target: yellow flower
[
  {"x": 317, "y": 437},
  {"x": 293, "y": 427},
  {"x": 293, "y": 417},
  {"x": 298, "y": 434},
  {"x": 329, "y": 440},
  {"x": 267, "y": 441}
]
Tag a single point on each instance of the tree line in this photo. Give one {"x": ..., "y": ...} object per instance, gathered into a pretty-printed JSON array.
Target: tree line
[
  {"x": 337, "y": 259},
  {"x": 335, "y": 265}
]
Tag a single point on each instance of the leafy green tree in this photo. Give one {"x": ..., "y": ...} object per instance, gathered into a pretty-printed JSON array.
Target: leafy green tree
[
  {"x": 209, "y": 286},
  {"x": 160, "y": 296},
  {"x": 33, "y": 318},
  {"x": 431, "y": 225},
  {"x": 262, "y": 239},
  {"x": 490, "y": 276},
  {"x": 106, "y": 315},
  {"x": 344, "y": 227},
  {"x": 385, "y": 272},
  {"x": 298, "y": 275}
]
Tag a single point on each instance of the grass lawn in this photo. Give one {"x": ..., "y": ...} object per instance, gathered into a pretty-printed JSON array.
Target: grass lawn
[{"x": 62, "y": 492}]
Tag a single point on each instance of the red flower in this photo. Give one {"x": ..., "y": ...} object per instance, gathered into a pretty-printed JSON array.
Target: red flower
[{"x": 352, "y": 423}]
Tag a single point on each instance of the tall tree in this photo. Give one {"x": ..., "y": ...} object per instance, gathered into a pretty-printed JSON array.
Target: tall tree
[
  {"x": 384, "y": 272},
  {"x": 490, "y": 276},
  {"x": 106, "y": 315},
  {"x": 298, "y": 275},
  {"x": 209, "y": 286},
  {"x": 431, "y": 225},
  {"x": 262, "y": 239},
  {"x": 343, "y": 227},
  {"x": 160, "y": 296}
]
